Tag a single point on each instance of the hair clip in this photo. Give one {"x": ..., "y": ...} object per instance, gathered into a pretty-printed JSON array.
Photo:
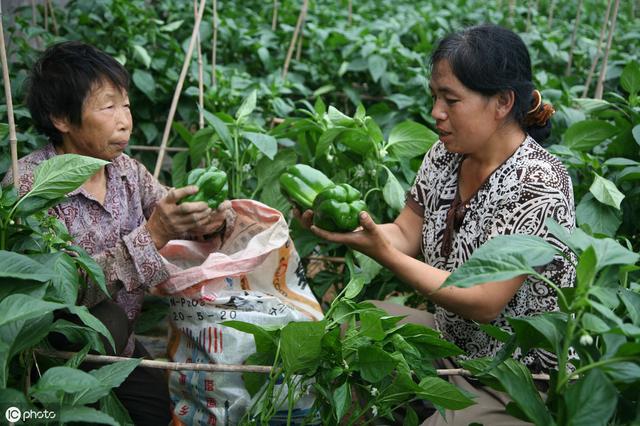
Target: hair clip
[{"x": 536, "y": 93}]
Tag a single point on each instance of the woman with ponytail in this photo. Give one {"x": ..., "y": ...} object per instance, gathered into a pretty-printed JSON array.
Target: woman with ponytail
[{"x": 486, "y": 176}]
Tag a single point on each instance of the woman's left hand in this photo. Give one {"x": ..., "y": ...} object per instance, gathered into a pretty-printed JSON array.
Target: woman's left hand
[
  {"x": 368, "y": 238},
  {"x": 223, "y": 215}
]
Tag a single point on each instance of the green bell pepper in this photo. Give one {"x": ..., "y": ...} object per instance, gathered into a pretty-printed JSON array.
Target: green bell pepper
[
  {"x": 212, "y": 186},
  {"x": 301, "y": 183},
  {"x": 338, "y": 208}
]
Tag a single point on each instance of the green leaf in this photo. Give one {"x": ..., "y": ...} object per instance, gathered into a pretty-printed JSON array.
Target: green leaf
[
  {"x": 636, "y": 133},
  {"x": 18, "y": 336},
  {"x": 32, "y": 204},
  {"x": 337, "y": 118},
  {"x": 220, "y": 127},
  {"x": 145, "y": 82},
  {"x": 22, "y": 267},
  {"x": 606, "y": 192},
  {"x": 112, "y": 406},
  {"x": 631, "y": 301},
  {"x": 392, "y": 192},
  {"x": 62, "y": 174},
  {"x": 591, "y": 400},
  {"x": 377, "y": 66},
  {"x": 179, "y": 164},
  {"x": 495, "y": 332},
  {"x": 342, "y": 400},
  {"x": 630, "y": 78},
  {"x": 401, "y": 101},
  {"x": 516, "y": 380},
  {"x": 265, "y": 341},
  {"x": 600, "y": 218},
  {"x": 374, "y": 363},
  {"x": 89, "y": 320},
  {"x": 586, "y": 270},
  {"x": 443, "y": 393},
  {"x": 354, "y": 286},
  {"x": 20, "y": 307},
  {"x": 301, "y": 346},
  {"x": 90, "y": 266},
  {"x": 369, "y": 268},
  {"x": 110, "y": 376},
  {"x": 371, "y": 325},
  {"x": 59, "y": 380},
  {"x": 594, "y": 324},
  {"x": 172, "y": 26},
  {"x": 267, "y": 144},
  {"x": 585, "y": 135},
  {"x": 501, "y": 258},
  {"x": 410, "y": 139},
  {"x": 247, "y": 107},
  {"x": 544, "y": 331},
  {"x": 142, "y": 54},
  {"x": 85, "y": 415}
]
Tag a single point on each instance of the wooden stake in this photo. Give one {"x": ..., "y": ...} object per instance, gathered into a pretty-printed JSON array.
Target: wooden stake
[
  {"x": 350, "y": 16},
  {"x": 576, "y": 24},
  {"x": 214, "y": 42},
  {"x": 299, "y": 49},
  {"x": 596, "y": 58},
  {"x": 176, "y": 93},
  {"x": 552, "y": 6},
  {"x": 528, "y": 25},
  {"x": 274, "y": 18},
  {"x": 33, "y": 13},
  {"x": 157, "y": 148},
  {"x": 13, "y": 140},
  {"x": 200, "y": 70},
  {"x": 53, "y": 17},
  {"x": 301, "y": 18},
  {"x": 46, "y": 15},
  {"x": 605, "y": 59},
  {"x": 229, "y": 368},
  {"x": 512, "y": 9}
]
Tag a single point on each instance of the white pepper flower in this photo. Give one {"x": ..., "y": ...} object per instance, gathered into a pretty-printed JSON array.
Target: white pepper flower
[
  {"x": 586, "y": 340},
  {"x": 246, "y": 168},
  {"x": 374, "y": 411},
  {"x": 374, "y": 391}
]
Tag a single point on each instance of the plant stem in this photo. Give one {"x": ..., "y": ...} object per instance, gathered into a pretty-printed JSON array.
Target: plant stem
[
  {"x": 236, "y": 160},
  {"x": 605, "y": 59},
  {"x": 597, "y": 364},
  {"x": 553, "y": 286}
]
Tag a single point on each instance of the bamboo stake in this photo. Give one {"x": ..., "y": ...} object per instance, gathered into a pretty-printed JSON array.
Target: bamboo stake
[
  {"x": 301, "y": 17},
  {"x": 33, "y": 13},
  {"x": 229, "y": 368},
  {"x": 605, "y": 59},
  {"x": 176, "y": 93},
  {"x": 576, "y": 24},
  {"x": 596, "y": 59},
  {"x": 552, "y": 6},
  {"x": 46, "y": 15},
  {"x": 274, "y": 18},
  {"x": 299, "y": 49},
  {"x": 13, "y": 140},
  {"x": 53, "y": 17},
  {"x": 214, "y": 42},
  {"x": 350, "y": 16},
  {"x": 528, "y": 25},
  {"x": 512, "y": 9},
  {"x": 200, "y": 70}
]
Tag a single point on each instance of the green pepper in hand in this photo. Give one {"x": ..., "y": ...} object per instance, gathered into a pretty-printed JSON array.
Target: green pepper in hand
[
  {"x": 338, "y": 208},
  {"x": 302, "y": 183},
  {"x": 212, "y": 186}
]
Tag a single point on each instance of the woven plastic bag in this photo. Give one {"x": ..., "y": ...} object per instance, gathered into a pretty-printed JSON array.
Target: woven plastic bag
[{"x": 255, "y": 276}]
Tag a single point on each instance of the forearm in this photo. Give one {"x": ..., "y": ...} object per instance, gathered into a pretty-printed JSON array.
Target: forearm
[
  {"x": 398, "y": 239},
  {"x": 482, "y": 303}
]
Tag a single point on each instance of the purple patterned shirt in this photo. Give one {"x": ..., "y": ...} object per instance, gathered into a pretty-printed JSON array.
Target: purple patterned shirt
[{"x": 113, "y": 233}]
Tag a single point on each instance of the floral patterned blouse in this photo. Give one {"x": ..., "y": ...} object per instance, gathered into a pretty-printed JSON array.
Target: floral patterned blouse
[
  {"x": 527, "y": 188},
  {"x": 113, "y": 233}
]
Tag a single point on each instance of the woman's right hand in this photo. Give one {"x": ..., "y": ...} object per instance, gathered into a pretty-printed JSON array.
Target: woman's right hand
[{"x": 171, "y": 220}]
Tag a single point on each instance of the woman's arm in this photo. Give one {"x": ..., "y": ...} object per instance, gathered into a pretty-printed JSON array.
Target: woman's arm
[{"x": 395, "y": 246}]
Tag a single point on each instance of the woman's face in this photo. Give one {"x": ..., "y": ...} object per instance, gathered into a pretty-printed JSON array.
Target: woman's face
[
  {"x": 465, "y": 119},
  {"x": 106, "y": 124}
]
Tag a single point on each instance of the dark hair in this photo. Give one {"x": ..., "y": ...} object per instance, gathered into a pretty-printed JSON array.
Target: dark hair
[
  {"x": 490, "y": 59},
  {"x": 61, "y": 80}
]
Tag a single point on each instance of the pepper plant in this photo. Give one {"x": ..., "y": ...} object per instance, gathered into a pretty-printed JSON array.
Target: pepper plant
[
  {"x": 598, "y": 322},
  {"x": 41, "y": 271},
  {"x": 360, "y": 363}
]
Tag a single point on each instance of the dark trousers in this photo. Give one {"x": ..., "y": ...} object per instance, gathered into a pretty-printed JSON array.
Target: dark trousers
[{"x": 144, "y": 393}]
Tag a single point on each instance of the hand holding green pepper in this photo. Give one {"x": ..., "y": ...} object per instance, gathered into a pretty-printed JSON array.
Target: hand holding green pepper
[
  {"x": 337, "y": 208},
  {"x": 212, "y": 186}
]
